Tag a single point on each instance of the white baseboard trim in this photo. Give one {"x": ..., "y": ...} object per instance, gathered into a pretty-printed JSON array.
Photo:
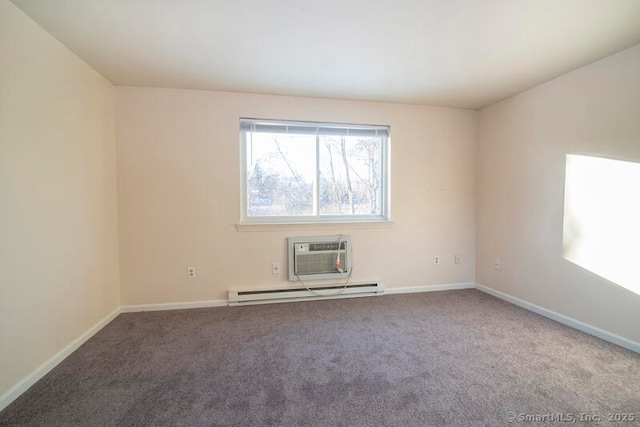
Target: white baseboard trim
[
  {"x": 430, "y": 288},
  {"x": 14, "y": 392},
  {"x": 561, "y": 318},
  {"x": 174, "y": 306}
]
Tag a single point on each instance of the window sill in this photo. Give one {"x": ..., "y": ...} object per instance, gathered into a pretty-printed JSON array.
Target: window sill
[{"x": 243, "y": 227}]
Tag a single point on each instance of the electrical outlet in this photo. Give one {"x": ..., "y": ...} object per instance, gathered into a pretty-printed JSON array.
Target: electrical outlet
[
  {"x": 436, "y": 259},
  {"x": 275, "y": 268},
  {"x": 456, "y": 259},
  {"x": 497, "y": 264},
  {"x": 191, "y": 272}
]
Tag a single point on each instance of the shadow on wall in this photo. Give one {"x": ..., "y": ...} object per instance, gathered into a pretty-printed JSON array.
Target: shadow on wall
[{"x": 601, "y": 230}]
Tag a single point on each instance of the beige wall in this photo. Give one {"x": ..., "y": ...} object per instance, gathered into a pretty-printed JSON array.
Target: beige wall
[
  {"x": 523, "y": 142},
  {"x": 179, "y": 196},
  {"x": 58, "y": 215}
]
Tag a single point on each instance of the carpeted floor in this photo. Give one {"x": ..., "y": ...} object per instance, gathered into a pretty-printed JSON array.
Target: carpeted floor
[{"x": 456, "y": 358}]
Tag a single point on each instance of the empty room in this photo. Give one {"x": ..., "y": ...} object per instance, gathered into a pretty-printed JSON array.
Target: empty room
[{"x": 336, "y": 213}]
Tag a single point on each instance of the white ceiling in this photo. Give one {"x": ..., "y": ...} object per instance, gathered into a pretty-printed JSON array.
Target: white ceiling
[{"x": 459, "y": 53}]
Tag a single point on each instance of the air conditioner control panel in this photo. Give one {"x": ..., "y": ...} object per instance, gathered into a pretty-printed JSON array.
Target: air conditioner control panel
[{"x": 301, "y": 247}]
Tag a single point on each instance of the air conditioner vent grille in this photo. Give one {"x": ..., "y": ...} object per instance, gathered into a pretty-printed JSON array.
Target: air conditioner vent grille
[
  {"x": 327, "y": 246},
  {"x": 318, "y": 263}
]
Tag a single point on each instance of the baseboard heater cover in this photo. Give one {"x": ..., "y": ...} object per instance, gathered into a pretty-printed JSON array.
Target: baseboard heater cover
[{"x": 298, "y": 293}]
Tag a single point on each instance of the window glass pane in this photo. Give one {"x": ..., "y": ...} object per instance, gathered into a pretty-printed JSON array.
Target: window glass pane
[
  {"x": 350, "y": 175},
  {"x": 280, "y": 174}
]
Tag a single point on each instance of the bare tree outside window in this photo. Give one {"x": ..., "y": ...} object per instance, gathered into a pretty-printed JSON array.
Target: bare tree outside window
[{"x": 350, "y": 172}]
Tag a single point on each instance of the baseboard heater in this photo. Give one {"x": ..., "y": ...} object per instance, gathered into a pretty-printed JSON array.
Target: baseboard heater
[{"x": 268, "y": 296}]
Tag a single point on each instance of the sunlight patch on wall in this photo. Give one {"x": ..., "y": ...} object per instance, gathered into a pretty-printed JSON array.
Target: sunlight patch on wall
[{"x": 602, "y": 218}]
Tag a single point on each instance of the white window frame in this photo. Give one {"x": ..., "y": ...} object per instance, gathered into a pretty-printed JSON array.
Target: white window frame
[{"x": 320, "y": 128}]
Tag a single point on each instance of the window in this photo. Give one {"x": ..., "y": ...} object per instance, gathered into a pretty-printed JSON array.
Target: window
[{"x": 314, "y": 172}]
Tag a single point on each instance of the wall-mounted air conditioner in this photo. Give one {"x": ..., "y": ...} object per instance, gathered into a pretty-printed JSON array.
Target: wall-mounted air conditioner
[{"x": 319, "y": 257}]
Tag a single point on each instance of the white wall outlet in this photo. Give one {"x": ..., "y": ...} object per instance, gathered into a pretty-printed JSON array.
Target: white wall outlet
[
  {"x": 436, "y": 259},
  {"x": 497, "y": 264},
  {"x": 191, "y": 272},
  {"x": 275, "y": 268},
  {"x": 456, "y": 259}
]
